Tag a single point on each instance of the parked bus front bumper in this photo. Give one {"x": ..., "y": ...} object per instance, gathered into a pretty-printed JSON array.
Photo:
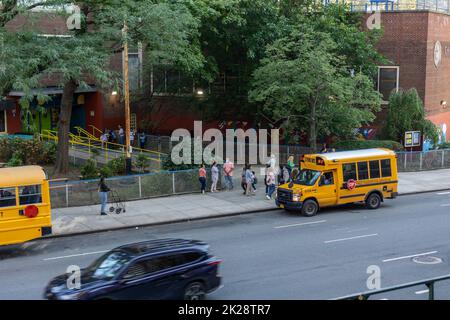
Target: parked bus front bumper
[{"x": 289, "y": 205}]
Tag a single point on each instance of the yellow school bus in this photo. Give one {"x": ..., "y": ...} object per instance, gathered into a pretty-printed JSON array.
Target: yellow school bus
[
  {"x": 330, "y": 179},
  {"x": 25, "y": 211}
]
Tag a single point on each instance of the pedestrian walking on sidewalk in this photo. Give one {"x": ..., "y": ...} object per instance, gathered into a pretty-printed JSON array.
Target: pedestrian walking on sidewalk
[
  {"x": 228, "y": 169},
  {"x": 103, "y": 192},
  {"x": 265, "y": 177},
  {"x": 286, "y": 175},
  {"x": 243, "y": 182},
  {"x": 214, "y": 176},
  {"x": 270, "y": 180},
  {"x": 202, "y": 178},
  {"x": 290, "y": 165},
  {"x": 249, "y": 180}
]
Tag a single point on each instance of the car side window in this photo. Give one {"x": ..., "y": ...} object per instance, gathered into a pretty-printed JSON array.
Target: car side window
[
  {"x": 189, "y": 257},
  {"x": 135, "y": 271}
]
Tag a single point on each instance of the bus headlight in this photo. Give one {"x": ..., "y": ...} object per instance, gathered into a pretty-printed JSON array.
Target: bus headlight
[{"x": 297, "y": 196}]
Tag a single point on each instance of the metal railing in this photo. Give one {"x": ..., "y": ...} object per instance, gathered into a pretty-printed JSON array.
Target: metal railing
[
  {"x": 429, "y": 283},
  {"x": 86, "y": 147},
  {"x": 423, "y": 160},
  {"x": 65, "y": 193},
  {"x": 395, "y": 5}
]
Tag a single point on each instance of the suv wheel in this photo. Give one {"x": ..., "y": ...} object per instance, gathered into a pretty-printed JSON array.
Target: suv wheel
[
  {"x": 310, "y": 208},
  {"x": 373, "y": 201},
  {"x": 194, "y": 291}
]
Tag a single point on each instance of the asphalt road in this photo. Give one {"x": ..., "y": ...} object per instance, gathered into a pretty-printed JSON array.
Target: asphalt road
[{"x": 275, "y": 255}]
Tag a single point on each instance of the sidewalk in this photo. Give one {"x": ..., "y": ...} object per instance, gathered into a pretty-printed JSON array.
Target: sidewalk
[{"x": 197, "y": 206}]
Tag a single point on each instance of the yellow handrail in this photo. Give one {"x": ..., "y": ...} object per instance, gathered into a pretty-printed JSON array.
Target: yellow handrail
[
  {"x": 78, "y": 141},
  {"x": 95, "y": 129},
  {"x": 86, "y": 133}
]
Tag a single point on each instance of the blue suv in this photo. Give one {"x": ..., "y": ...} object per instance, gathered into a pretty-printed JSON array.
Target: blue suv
[{"x": 157, "y": 269}]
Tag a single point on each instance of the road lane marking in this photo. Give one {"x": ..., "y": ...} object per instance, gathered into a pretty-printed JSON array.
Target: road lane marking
[
  {"x": 76, "y": 255},
  {"x": 411, "y": 256},
  {"x": 352, "y": 238},
  {"x": 443, "y": 193},
  {"x": 300, "y": 224},
  {"x": 445, "y": 205},
  {"x": 422, "y": 291}
]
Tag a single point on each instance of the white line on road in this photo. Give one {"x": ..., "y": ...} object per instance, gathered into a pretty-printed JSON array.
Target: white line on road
[
  {"x": 422, "y": 291},
  {"x": 300, "y": 224},
  {"x": 411, "y": 256},
  {"x": 445, "y": 205},
  {"x": 357, "y": 237},
  {"x": 76, "y": 255},
  {"x": 442, "y": 193}
]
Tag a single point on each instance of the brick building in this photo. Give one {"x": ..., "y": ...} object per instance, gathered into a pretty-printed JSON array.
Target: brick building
[{"x": 417, "y": 43}]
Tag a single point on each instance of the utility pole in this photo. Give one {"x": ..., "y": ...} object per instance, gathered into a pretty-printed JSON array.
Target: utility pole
[{"x": 127, "y": 100}]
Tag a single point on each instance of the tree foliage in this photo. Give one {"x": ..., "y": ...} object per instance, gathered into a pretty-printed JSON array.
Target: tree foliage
[
  {"x": 305, "y": 79},
  {"x": 406, "y": 113}
]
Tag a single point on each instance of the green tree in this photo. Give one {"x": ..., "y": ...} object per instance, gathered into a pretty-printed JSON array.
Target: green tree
[
  {"x": 163, "y": 27},
  {"x": 406, "y": 113},
  {"x": 303, "y": 81}
]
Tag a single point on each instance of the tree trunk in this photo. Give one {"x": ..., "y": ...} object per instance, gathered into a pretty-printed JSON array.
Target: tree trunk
[
  {"x": 312, "y": 129},
  {"x": 62, "y": 156}
]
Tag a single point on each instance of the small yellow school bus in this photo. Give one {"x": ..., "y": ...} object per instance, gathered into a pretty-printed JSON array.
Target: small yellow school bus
[
  {"x": 25, "y": 211},
  {"x": 330, "y": 179}
]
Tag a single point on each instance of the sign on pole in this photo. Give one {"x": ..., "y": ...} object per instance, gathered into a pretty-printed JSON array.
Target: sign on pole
[{"x": 413, "y": 139}]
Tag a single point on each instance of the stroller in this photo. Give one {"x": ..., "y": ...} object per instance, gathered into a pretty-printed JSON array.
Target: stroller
[{"x": 117, "y": 205}]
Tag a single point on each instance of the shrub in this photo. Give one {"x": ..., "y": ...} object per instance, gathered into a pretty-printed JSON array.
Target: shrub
[
  {"x": 105, "y": 172},
  {"x": 367, "y": 144},
  {"x": 30, "y": 152},
  {"x": 16, "y": 160},
  {"x": 117, "y": 166},
  {"x": 89, "y": 170},
  {"x": 142, "y": 162}
]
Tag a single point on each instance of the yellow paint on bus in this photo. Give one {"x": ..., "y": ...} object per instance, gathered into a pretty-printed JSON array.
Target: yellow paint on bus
[{"x": 25, "y": 208}]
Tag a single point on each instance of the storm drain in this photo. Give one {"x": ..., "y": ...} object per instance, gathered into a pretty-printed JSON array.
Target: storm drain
[{"x": 427, "y": 260}]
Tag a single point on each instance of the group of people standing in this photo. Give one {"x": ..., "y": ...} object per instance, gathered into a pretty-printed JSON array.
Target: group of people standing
[
  {"x": 249, "y": 179},
  {"x": 111, "y": 136}
]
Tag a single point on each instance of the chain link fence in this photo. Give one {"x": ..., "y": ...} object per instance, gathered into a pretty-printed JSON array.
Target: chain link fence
[
  {"x": 425, "y": 160},
  {"x": 85, "y": 192}
]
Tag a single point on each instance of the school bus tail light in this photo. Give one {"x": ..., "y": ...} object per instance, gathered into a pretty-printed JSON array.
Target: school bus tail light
[{"x": 31, "y": 211}]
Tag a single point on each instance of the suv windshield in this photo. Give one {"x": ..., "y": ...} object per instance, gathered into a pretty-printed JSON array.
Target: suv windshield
[
  {"x": 107, "y": 266},
  {"x": 307, "y": 177}
]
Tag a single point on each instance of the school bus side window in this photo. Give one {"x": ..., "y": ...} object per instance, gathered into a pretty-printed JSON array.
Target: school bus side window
[
  {"x": 30, "y": 195},
  {"x": 374, "y": 169},
  {"x": 349, "y": 170},
  {"x": 363, "y": 171},
  {"x": 7, "y": 197},
  {"x": 386, "y": 168}
]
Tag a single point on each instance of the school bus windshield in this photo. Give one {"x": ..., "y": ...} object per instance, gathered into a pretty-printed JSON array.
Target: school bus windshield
[{"x": 307, "y": 177}]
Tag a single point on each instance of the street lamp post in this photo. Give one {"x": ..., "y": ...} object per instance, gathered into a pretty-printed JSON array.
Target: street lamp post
[{"x": 127, "y": 101}]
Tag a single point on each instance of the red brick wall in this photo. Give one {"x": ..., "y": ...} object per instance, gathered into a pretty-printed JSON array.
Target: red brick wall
[{"x": 404, "y": 43}]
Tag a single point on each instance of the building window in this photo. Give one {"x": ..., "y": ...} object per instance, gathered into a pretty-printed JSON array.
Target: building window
[
  {"x": 134, "y": 71},
  {"x": 388, "y": 78},
  {"x": 3, "y": 121}
]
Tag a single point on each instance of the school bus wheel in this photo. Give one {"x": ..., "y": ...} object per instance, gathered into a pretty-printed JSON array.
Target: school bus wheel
[
  {"x": 310, "y": 208},
  {"x": 373, "y": 201}
]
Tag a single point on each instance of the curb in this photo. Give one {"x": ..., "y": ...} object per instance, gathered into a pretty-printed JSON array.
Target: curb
[{"x": 224, "y": 215}]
